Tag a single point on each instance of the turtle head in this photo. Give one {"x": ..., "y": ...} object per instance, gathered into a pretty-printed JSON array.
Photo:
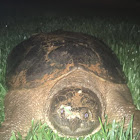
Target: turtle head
[{"x": 75, "y": 111}]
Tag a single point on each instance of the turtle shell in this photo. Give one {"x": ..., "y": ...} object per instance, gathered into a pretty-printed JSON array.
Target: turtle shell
[{"x": 46, "y": 56}]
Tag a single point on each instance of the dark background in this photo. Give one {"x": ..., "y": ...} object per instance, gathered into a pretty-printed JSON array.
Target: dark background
[{"x": 78, "y": 7}]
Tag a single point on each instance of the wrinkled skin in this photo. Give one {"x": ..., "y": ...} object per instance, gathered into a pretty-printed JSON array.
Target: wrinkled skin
[{"x": 67, "y": 80}]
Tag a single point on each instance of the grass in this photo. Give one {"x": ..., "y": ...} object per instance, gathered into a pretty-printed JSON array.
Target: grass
[
  {"x": 122, "y": 35},
  {"x": 115, "y": 131}
]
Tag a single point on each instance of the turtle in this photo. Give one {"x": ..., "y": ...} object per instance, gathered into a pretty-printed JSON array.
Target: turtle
[{"x": 68, "y": 80}]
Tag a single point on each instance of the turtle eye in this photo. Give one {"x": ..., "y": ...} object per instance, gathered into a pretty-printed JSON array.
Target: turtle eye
[
  {"x": 62, "y": 112},
  {"x": 86, "y": 115}
]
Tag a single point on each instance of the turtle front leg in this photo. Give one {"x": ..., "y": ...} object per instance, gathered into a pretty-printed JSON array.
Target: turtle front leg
[
  {"x": 21, "y": 107},
  {"x": 5, "y": 132},
  {"x": 136, "y": 122},
  {"x": 17, "y": 127},
  {"x": 120, "y": 106}
]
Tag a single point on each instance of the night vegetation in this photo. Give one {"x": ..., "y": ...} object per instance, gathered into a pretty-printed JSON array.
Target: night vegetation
[{"x": 121, "y": 34}]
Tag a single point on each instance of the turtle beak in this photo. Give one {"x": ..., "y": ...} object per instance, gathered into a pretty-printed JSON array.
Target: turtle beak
[{"x": 74, "y": 124}]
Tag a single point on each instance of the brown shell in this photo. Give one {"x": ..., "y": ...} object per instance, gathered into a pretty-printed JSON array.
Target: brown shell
[{"x": 46, "y": 56}]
